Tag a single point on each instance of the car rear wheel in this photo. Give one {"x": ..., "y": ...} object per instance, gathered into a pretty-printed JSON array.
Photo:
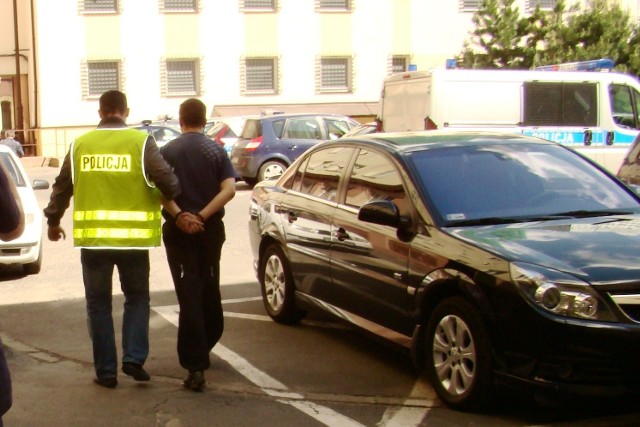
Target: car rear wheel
[
  {"x": 271, "y": 170},
  {"x": 278, "y": 290},
  {"x": 458, "y": 354}
]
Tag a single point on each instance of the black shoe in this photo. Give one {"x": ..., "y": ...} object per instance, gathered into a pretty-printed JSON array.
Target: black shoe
[
  {"x": 194, "y": 381},
  {"x": 136, "y": 371},
  {"x": 108, "y": 382}
]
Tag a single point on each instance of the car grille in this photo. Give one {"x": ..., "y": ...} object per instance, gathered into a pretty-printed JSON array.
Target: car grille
[
  {"x": 10, "y": 252},
  {"x": 629, "y": 304}
]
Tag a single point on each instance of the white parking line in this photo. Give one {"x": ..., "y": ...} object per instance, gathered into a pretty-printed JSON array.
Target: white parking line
[
  {"x": 408, "y": 414},
  {"x": 268, "y": 384}
]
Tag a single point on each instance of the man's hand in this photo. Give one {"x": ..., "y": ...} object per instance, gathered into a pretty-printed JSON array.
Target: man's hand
[
  {"x": 54, "y": 232},
  {"x": 189, "y": 223}
]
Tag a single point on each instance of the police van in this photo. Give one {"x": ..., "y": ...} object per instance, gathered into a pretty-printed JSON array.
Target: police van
[{"x": 595, "y": 112}]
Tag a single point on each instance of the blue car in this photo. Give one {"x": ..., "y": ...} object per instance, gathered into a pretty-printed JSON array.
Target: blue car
[{"x": 269, "y": 144}]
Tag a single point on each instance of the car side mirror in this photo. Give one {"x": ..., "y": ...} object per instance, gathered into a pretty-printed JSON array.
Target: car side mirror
[
  {"x": 40, "y": 184},
  {"x": 383, "y": 212}
]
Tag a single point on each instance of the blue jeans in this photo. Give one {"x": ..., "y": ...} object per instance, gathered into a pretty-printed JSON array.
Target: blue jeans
[{"x": 97, "y": 272}]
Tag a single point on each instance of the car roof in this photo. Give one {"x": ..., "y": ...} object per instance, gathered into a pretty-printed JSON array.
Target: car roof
[
  {"x": 289, "y": 115},
  {"x": 412, "y": 141}
]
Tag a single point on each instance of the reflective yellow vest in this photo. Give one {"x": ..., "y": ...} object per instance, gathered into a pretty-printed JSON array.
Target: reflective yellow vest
[{"x": 115, "y": 206}]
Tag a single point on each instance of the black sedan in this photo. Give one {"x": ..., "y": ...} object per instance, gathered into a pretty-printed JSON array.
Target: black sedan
[{"x": 496, "y": 259}]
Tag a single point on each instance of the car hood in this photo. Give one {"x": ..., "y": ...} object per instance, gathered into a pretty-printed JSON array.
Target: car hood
[{"x": 601, "y": 250}]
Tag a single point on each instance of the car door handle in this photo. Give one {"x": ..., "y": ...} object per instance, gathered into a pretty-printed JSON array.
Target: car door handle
[
  {"x": 291, "y": 217},
  {"x": 342, "y": 234}
]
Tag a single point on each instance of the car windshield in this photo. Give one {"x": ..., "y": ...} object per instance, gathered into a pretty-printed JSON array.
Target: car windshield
[
  {"x": 501, "y": 183},
  {"x": 12, "y": 169}
]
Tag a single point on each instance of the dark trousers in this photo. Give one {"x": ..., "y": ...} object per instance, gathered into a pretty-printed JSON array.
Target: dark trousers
[
  {"x": 194, "y": 261},
  {"x": 97, "y": 272}
]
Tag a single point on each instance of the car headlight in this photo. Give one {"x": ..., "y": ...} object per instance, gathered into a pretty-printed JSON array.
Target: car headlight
[{"x": 559, "y": 293}]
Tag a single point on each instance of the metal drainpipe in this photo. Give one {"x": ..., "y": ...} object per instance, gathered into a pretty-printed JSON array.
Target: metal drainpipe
[{"x": 19, "y": 110}]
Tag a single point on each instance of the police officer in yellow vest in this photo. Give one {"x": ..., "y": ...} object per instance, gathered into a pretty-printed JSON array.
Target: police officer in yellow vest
[{"x": 116, "y": 176}]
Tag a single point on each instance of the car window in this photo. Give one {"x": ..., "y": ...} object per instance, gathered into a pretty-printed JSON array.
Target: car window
[
  {"x": 322, "y": 173},
  {"x": 622, "y": 105},
  {"x": 374, "y": 177},
  {"x": 12, "y": 170},
  {"x": 296, "y": 181},
  {"x": 278, "y": 127},
  {"x": 252, "y": 129},
  {"x": 307, "y": 128},
  {"x": 476, "y": 182},
  {"x": 336, "y": 127}
]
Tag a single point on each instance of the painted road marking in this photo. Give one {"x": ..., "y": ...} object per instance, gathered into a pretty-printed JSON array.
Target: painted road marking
[{"x": 396, "y": 415}]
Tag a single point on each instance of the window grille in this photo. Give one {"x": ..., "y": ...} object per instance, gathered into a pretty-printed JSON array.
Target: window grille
[
  {"x": 544, "y": 4},
  {"x": 180, "y": 5},
  {"x": 90, "y": 6},
  {"x": 260, "y": 75},
  {"x": 335, "y": 74},
  {"x": 182, "y": 77},
  {"x": 262, "y": 5},
  {"x": 469, "y": 5},
  {"x": 102, "y": 76},
  {"x": 399, "y": 64},
  {"x": 333, "y": 4}
]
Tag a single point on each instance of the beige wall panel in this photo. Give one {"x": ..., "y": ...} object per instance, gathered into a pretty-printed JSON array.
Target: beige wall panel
[
  {"x": 102, "y": 37},
  {"x": 261, "y": 34},
  {"x": 182, "y": 35},
  {"x": 336, "y": 33}
]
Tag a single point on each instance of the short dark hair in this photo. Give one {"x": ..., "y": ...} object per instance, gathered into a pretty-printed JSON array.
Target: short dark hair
[
  {"x": 113, "y": 101},
  {"x": 193, "y": 113}
]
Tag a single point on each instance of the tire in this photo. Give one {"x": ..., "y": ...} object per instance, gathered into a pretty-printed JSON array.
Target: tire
[
  {"x": 278, "y": 289},
  {"x": 272, "y": 169},
  {"x": 34, "y": 267},
  {"x": 458, "y": 357}
]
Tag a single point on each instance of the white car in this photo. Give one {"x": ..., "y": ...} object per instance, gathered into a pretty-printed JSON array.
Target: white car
[
  {"x": 26, "y": 249},
  {"x": 226, "y": 130}
]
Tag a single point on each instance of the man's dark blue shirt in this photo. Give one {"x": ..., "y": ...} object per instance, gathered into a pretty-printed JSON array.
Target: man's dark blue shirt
[{"x": 200, "y": 165}]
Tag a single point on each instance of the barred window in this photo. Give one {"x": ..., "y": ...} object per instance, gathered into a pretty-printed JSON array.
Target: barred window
[
  {"x": 267, "y": 5},
  {"x": 180, "y": 5},
  {"x": 335, "y": 74},
  {"x": 103, "y": 76},
  {"x": 89, "y": 6},
  {"x": 469, "y": 5},
  {"x": 182, "y": 77},
  {"x": 333, "y": 4},
  {"x": 261, "y": 75},
  {"x": 399, "y": 64},
  {"x": 544, "y": 4}
]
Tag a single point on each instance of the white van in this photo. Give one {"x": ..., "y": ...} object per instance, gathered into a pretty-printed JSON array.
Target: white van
[{"x": 597, "y": 113}]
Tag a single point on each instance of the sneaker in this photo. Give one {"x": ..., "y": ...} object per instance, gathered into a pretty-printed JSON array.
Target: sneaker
[
  {"x": 195, "y": 381},
  {"x": 108, "y": 382},
  {"x": 136, "y": 371}
]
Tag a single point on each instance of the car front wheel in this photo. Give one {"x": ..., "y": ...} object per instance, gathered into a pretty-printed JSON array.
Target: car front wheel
[
  {"x": 278, "y": 290},
  {"x": 458, "y": 354}
]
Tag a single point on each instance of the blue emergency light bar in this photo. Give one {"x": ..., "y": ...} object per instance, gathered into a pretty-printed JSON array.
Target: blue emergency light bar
[{"x": 593, "y": 65}]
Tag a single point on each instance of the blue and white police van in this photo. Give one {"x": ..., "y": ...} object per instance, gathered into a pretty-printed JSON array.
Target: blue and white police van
[{"x": 584, "y": 105}]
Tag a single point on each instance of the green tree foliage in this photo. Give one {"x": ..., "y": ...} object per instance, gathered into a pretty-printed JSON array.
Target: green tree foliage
[{"x": 503, "y": 38}]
